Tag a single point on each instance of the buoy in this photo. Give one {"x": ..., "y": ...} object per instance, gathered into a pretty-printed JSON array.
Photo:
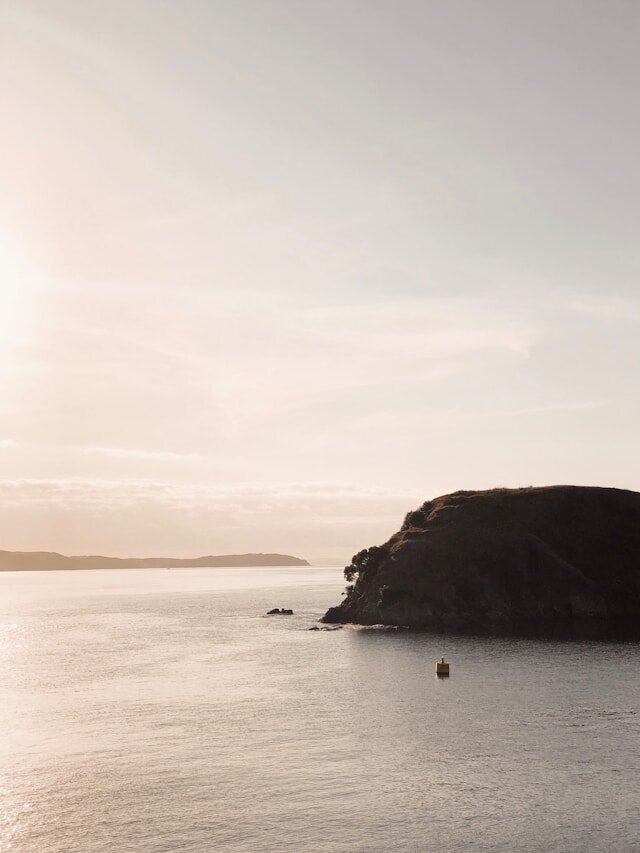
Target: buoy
[{"x": 442, "y": 668}]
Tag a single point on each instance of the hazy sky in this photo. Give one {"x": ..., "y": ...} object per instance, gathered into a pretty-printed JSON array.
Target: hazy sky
[{"x": 274, "y": 272}]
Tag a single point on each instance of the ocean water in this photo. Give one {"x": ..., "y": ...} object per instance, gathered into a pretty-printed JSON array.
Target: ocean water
[{"x": 150, "y": 711}]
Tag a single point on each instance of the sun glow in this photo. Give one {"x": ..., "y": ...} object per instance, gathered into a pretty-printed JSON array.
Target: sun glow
[{"x": 18, "y": 279}]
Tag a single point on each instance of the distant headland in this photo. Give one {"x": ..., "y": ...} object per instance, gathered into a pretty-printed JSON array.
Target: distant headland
[
  {"x": 537, "y": 560},
  {"x": 34, "y": 561}
]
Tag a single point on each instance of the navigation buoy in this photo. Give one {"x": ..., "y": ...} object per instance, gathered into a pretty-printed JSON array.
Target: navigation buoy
[{"x": 442, "y": 668}]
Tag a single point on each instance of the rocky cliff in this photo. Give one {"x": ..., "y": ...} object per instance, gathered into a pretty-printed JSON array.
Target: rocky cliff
[{"x": 505, "y": 559}]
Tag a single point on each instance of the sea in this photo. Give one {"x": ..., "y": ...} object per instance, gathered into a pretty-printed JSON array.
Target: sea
[{"x": 161, "y": 711}]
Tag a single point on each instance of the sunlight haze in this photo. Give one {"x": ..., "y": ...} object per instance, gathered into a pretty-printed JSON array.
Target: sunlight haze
[{"x": 273, "y": 273}]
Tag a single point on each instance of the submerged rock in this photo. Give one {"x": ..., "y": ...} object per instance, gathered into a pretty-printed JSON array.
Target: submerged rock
[
  {"x": 538, "y": 560},
  {"x": 280, "y": 611}
]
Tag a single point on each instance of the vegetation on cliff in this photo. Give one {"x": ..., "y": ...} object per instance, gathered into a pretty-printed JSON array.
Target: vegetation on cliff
[{"x": 551, "y": 557}]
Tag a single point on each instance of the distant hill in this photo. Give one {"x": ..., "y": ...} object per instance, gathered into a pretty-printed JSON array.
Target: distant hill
[
  {"x": 33, "y": 561},
  {"x": 542, "y": 559}
]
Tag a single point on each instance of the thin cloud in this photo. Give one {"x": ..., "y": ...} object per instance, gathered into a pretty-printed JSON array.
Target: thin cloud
[
  {"x": 537, "y": 410},
  {"x": 600, "y": 307},
  {"x": 446, "y": 418},
  {"x": 316, "y": 499},
  {"x": 7, "y": 442},
  {"x": 320, "y": 521},
  {"x": 137, "y": 453}
]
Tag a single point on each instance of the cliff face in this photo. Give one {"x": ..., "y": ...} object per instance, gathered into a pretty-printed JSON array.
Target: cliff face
[{"x": 505, "y": 559}]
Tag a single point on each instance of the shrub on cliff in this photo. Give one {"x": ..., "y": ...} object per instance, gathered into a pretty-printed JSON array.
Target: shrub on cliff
[{"x": 365, "y": 563}]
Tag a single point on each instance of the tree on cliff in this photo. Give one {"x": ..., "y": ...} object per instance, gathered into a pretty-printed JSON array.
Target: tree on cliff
[{"x": 366, "y": 562}]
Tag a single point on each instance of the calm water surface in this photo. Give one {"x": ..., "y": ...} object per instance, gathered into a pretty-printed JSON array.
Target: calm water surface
[{"x": 150, "y": 711}]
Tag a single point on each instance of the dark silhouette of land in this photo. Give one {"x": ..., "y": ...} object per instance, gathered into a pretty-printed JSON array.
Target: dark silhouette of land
[
  {"x": 537, "y": 560},
  {"x": 31, "y": 561}
]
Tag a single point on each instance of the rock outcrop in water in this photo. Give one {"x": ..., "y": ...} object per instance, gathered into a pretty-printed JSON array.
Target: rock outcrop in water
[{"x": 542, "y": 559}]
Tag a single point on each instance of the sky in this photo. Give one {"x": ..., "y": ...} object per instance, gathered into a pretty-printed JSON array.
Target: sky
[{"x": 274, "y": 272}]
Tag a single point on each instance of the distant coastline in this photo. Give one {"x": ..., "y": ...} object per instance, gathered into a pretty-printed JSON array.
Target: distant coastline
[{"x": 39, "y": 561}]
